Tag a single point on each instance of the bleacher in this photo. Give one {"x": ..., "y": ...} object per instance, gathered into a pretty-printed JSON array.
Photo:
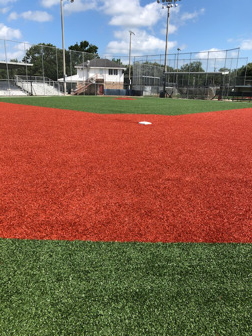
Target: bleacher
[
  {"x": 9, "y": 88},
  {"x": 31, "y": 86},
  {"x": 38, "y": 86}
]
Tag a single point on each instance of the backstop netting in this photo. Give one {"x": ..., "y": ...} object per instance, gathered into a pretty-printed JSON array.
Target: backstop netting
[{"x": 201, "y": 75}]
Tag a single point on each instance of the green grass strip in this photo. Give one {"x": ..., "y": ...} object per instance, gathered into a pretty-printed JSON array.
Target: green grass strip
[
  {"x": 143, "y": 105},
  {"x": 114, "y": 289}
]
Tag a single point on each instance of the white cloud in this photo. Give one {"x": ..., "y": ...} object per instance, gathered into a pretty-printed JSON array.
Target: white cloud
[
  {"x": 14, "y": 50},
  {"x": 147, "y": 16},
  {"x": 9, "y": 33},
  {"x": 174, "y": 22},
  {"x": 131, "y": 13},
  {"x": 49, "y": 3},
  {"x": 211, "y": 53},
  {"x": 218, "y": 54},
  {"x": 13, "y": 16},
  {"x": 111, "y": 7},
  {"x": 214, "y": 59},
  {"x": 76, "y": 6},
  {"x": 191, "y": 16},
  {"x": 79, "y": 6},
  {"x": 172, "y": 29},
  {"x": 38, "y": 16},
  {"x": 246, "y": 44},
  {"x": 4, "y": 10},
  {"x": 5, "y": 2},
  {"x": 126, "y": 15},
  {"x": 133, "y": 16},
  {"x": 141, "y": 43}
]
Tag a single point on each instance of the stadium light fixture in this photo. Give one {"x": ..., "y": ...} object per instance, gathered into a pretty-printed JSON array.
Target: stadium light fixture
[
  {"x": 63, "y": 42},
  {"x": 166, "y": 4}
]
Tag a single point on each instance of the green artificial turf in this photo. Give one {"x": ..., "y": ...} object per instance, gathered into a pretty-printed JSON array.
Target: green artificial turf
[
  {"x": 125, "y": 289},
  {"x": 142, "y": 105},
  {"x": 115, "y": 289}
]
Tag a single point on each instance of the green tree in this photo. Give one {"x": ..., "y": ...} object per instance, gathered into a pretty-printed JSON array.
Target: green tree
[
  {"x": 192, "y": 79},
  {"x": 224, "y": 70},
  {"x": 46, "y": 60},
  {"x": 245, "y": 70},
  {"x": 117, "y": 60},
  {"x": 192, "y": 67},
  {"x": 16, "y": 71},
  {"x": 85, "y": 46},
  {"x": 82, "y": 52}
]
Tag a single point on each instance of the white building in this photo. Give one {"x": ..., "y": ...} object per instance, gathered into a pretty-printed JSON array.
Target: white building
[{"x": 96, "y": 75}]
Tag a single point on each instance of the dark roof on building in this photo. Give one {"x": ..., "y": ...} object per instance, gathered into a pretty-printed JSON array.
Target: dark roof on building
[{"x": 101, "y": 63}]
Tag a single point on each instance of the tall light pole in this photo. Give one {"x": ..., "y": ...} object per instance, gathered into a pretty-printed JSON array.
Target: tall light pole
[
  {"x": 131, "y": 32},
  {"x": 178, "y": 50},
  {"x": 63, "y": 42},
  {"x": 166, "y": 4}
]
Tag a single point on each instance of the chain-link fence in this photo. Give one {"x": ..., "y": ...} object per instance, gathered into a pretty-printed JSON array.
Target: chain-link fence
[
  {"x": 39, "y": 70},
  {"x": 203, "y": 75},
  {"x": 24, "y": 66}
]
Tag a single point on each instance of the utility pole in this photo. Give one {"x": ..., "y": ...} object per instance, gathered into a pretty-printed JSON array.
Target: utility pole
[{"x": 63, "y": 43}]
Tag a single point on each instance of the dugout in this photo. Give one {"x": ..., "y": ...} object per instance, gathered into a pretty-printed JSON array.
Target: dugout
[{"x": 241, "y": 92}]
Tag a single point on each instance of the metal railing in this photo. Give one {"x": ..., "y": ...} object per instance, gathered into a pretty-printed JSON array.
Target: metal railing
[{"x": 38, "y": 85}]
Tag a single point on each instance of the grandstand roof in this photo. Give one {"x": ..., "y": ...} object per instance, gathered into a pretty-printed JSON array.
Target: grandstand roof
[{"x": 13, "y": 65}]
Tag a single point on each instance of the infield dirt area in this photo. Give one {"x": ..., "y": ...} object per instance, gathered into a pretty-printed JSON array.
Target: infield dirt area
[{"x": 82, "y": 176}]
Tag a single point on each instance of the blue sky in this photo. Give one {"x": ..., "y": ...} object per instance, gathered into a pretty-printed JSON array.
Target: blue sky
[{"x": 195, "y": 25}]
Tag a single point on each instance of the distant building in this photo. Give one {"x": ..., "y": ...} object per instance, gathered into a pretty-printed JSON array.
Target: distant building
[{"x": 96, "y": 75}]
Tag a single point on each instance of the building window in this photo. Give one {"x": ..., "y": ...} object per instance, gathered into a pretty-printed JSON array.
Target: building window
[{"x": 113, "y": 72}]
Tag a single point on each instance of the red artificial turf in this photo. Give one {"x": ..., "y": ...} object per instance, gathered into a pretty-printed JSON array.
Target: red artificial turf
[{"x": 73, "y": 175}]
